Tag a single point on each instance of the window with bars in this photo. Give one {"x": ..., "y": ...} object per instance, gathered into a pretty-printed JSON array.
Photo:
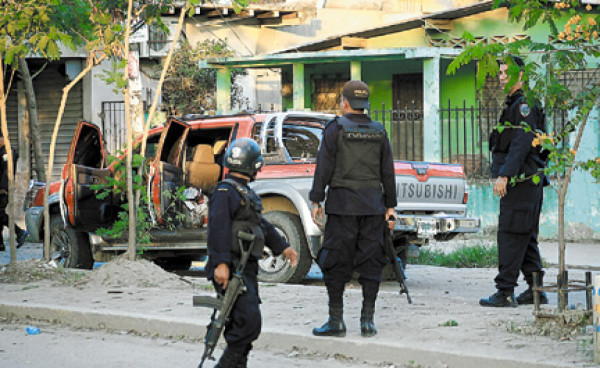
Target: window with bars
[
  {"x": 326, "y": 94},
  {"x": 157, "y": 38}
]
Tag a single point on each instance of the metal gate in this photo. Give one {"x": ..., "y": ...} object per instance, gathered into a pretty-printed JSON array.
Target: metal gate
[{"x": 113, "y": 125}]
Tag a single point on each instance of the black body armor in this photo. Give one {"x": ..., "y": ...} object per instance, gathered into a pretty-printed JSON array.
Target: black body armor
[
  {"x": 249, "y": 219},
  {"x": 358, "y": 158}
]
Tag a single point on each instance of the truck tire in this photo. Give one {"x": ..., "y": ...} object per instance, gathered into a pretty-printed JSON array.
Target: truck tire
[
  {"x": 276, "y": 269},
  {"x": 69, "y": 248}
]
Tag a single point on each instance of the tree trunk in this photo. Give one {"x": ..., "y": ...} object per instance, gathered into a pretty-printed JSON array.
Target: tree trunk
[
  {"x": 132, "y": 242},
  {"x": 11, "y": 206},
  {"x": 155, "y": 99},
  {"x": 33, "y": 119},
  {"x": 563, "y": 285},
  {"x": 561, "y": 244}
]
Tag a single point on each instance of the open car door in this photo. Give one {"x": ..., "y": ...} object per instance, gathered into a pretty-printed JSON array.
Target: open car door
[
  {"x": 85, "y": 168},
  {"x": 166, "y": 172}
]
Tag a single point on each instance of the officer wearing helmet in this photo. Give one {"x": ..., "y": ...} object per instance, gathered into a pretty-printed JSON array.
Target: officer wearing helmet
[{"x": 235, "y": 206}]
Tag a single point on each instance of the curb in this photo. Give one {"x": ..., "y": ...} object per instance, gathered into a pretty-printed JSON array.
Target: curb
[{"x": 164, "y": 326}]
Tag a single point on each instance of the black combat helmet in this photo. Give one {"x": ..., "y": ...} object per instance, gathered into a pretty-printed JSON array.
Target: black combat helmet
[{"x": 243, "y": 156}]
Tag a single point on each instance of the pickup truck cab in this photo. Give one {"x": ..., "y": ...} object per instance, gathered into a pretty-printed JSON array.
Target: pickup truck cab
[{"x": 432, "y": 197}]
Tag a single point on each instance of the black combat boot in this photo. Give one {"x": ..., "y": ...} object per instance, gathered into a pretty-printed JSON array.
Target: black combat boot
[
  {"x": 367, "y": 327},
  {"x": 21, "y": 236},
  {"x": 231, "y": 357},
  {"x": 502, "y": 298},
  {"x": 335, "y": 324},
  {"x": 526, "y": 297}
]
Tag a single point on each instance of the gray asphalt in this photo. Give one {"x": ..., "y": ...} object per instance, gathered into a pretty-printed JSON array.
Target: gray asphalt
[{"x": 78, "y": 315}]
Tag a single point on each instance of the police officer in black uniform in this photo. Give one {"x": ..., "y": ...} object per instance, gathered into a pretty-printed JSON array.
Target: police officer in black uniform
[
  {"x": 234, "y": 206},
  {"x": 520, "y": 205},
  {"x": 355, "y": 162},
  {"x": 20, "y": 233}
]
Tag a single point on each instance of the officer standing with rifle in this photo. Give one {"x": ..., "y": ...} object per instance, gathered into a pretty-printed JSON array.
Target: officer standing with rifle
[
  {"x": 235, "y": 222},
  {"x": 355, "y": 163}
]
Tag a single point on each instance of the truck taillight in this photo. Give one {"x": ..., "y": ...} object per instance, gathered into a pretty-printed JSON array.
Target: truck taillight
[{"x": 466, "y": 198}]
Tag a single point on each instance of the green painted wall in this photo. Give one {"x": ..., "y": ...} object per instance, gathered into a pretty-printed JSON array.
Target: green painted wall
[
  {"x": 461, "y": 84},
  {"x": 379, "y": 77}
]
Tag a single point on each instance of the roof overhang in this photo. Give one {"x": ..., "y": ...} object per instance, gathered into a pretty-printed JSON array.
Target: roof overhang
[
  {"x": 401, "y": 26},
  {"x": 335, "y": 56}
]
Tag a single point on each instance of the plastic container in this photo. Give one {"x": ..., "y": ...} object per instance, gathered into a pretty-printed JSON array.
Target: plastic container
[{"x": 32, "y": 330}]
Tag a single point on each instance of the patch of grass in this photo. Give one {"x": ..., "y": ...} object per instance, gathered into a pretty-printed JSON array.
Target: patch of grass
[
  {"x": 449, "y": 323},
  {"x": 478, "y": 256}
]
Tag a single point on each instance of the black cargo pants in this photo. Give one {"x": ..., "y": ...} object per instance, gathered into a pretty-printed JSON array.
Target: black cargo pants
[
  {"x": 518, "y": 227},
  {"x": 245, "y": 321},
  {"x": 352, "y": 244}
]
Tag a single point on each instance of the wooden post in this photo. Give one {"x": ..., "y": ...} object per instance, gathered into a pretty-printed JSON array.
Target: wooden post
[
  {"x": 596, "y": 297},
  {"x": 536, "y": 293},
  {"x": 562, "y": 290},
  {"x": 588, "y": 291}
]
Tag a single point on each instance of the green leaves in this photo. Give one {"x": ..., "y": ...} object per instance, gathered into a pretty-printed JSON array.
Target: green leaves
[{"x": 551, "y": 69}]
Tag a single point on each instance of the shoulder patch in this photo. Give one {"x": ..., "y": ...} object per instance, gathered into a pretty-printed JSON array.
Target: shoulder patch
[{"x": 524, "y": 109}]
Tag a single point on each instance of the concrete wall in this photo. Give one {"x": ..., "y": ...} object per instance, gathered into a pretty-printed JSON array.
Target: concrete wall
[{"x": 582, "y": 207}]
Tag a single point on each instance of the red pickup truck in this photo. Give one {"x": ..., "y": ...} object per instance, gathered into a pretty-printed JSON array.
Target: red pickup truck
[{"x": 432, "y": 197}]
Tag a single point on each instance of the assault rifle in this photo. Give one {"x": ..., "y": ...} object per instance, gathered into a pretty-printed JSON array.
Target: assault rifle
[
  {"x": 223, "y": 304},
  {"x": 390, "y": 252}
]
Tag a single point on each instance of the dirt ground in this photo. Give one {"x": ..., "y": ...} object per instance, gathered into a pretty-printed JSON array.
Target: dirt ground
[{"x": 445, "y": 316}]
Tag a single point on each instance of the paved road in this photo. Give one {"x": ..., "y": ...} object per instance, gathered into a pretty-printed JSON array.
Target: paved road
[
  {"x": 27, "y": 251},
  {"x": 58, "y": 347}
]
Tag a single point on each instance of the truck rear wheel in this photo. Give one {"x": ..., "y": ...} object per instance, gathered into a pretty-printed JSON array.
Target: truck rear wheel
[
  {"x": 69, "y": 248},
  {"x": 276, "y": 269}
]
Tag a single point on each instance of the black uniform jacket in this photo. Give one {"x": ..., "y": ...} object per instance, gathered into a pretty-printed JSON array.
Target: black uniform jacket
[
  {"x": 225, "y": 202},
  {"x": 4, "y": 166},
  {"x": 512, "y": 152},
  {"x": 346, "y": 201}
]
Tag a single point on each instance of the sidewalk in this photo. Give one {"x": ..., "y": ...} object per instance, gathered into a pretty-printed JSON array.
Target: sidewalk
[
  {"x": 577, "y": 255},
  {"x": 407, "y": 333}
]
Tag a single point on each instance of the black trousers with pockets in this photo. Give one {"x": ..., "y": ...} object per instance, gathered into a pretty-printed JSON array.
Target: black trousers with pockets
[
  {"x": 518, "y": 228},
  {"x": 352, "y": 244}
]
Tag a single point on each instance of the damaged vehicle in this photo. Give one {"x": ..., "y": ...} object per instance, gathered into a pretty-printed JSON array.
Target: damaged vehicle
[{"x": 186, "y": 153}]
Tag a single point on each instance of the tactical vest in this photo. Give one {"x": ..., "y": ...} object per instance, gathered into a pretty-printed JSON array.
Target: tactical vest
[
  {"x": 358, "y": 157},
  {"x": 248, "y": 218}
]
